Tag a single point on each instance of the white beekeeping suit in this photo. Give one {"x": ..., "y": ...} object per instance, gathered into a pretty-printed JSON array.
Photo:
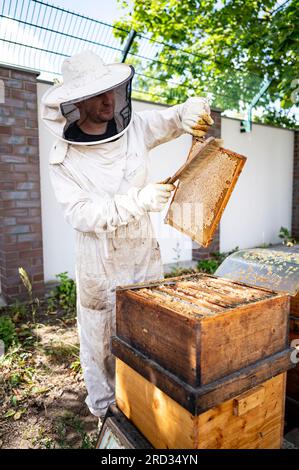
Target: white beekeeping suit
[{"x": 102, "y": 184}]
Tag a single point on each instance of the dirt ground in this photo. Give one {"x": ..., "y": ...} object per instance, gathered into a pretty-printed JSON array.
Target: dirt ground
[{"x": 42, "y": 391}]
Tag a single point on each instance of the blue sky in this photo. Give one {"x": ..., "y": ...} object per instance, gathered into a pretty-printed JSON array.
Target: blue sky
[{"x": 103, "y": 10}]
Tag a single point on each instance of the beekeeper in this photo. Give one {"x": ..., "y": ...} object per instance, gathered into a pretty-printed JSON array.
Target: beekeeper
[{"x": 99, "y": 172}]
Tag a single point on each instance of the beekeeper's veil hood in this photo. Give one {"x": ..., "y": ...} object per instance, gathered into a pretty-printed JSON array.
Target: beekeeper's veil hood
[{"x": 85, "y": 76}]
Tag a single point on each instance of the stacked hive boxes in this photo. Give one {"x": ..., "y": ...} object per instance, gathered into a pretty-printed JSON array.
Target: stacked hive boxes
[{"x": 201, "y": 362}]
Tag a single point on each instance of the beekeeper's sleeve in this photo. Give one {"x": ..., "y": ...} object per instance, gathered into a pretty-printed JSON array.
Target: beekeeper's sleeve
[
  {"x": 87, "y": 211},
  {"x": 160, "y": 126}
]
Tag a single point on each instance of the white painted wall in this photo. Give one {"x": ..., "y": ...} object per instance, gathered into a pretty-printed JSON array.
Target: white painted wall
[
  {"x": 262, "y": 200},
  {"x": 58, "y": 237}
]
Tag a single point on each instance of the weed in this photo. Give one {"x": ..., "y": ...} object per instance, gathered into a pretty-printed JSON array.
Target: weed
[
  {"x": 286, "y": 237},
  {"x": 211, "y": 265},
  {"x": 69, "y": 422},
  {"x": 177, "y": 251},
  {"x": 76, "y": 367},
  {"x": 17, "y": 376},
  {"x": 44, "y": 443},
  {"x": 64, "y": 294},
  {"x": 27, "y": 336},
  {"x": 61, "y": 431},
  {"x": 62, "y": 352},
  {"x": 207, "y": 266},
  {"x": 18, "y": 311},
  {"x": 33, "y": 302},
  {"x": 8, "y": 331}
]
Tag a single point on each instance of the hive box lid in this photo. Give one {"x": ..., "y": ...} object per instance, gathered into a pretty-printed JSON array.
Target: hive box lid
[{"x": 202, "y": 328}]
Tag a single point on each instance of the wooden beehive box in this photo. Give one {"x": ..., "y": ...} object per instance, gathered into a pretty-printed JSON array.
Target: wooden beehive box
[
  {"x": 189, "y": 345},
  {"x": 253, "y": 420},
  {"x": 202, "y": 328}
]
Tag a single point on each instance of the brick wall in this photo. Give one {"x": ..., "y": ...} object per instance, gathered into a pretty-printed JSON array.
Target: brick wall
[
  {"x": 204, "y": 253},
  {"x": 20, "y": 202},
  {"x": 295, "y": 215}
]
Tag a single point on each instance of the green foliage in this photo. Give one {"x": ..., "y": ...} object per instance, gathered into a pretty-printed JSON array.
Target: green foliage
[
  {"x": 18, "y": 310},
  {"x": 64, "y": 294},
  {"x": 210, "y": 265},
  {"x": 286, "y": 237},
  {"x": 204, "y": 266},
  {"x": 207, "y": 266},
  {"x": 68, "y": 423},
  {"x": 223, "y": 48},
  {"x": 7, "y": 331},
  {"x": 277, "y": 117},
  {"x": 16, "y": 380},
  {"x": 76, "y": 366}
]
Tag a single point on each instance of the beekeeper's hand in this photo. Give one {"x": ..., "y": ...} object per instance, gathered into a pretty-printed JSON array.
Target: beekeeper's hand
[
  {"x": 196, "y": 118},
  {"x": 155, "y": 196}
]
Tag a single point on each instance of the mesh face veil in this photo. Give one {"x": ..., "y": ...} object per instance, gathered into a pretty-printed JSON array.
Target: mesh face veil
[{"x": 108, "y": 113}]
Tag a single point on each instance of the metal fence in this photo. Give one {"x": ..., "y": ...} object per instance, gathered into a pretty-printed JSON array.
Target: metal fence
[{"x": 37, "y": 35}]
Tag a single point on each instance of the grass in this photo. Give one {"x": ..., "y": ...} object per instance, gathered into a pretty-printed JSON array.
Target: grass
[
  {"x": 31, "y": 372},
  {"x": 70, "y": 426},
  {"x": 61, "y": 352}
]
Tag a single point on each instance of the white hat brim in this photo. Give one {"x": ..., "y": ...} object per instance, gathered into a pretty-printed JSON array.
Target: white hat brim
[{"x": 62, "y": 93}]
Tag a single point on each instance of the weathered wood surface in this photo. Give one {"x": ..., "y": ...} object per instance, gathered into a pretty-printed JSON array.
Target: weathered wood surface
[
  {"x": 168, "y": 425},
  {"x": 199, "y": 399},
  {"x": 203, "y": 328},
  {"x": 295, "y": 306},
  {"x": 160, "y": 333},
  {"x": 242, "y": 337},
  {"x": 248, "y": 401}
]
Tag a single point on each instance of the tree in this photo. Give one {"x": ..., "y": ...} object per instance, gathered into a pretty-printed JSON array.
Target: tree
[{"x": 227, "y": 48}]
